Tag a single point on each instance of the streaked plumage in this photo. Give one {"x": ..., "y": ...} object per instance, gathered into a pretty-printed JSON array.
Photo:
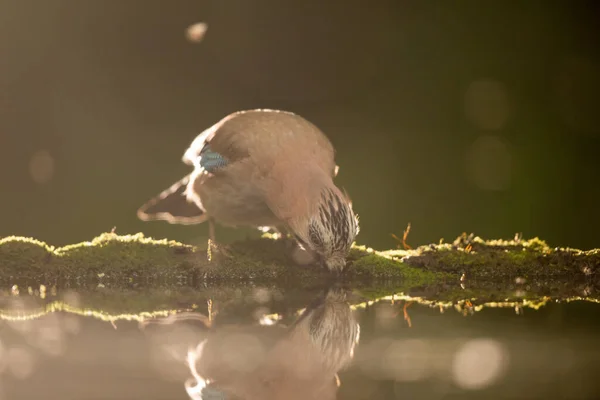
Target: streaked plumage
[{"x": 264, "y": 168}]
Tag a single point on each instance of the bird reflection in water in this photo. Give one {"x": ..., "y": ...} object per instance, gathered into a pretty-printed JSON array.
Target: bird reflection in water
[{"x": 301, "y": 363}]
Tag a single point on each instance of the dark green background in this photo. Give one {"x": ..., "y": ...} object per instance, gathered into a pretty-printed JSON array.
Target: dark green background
[{"x": 114, "y": 92}]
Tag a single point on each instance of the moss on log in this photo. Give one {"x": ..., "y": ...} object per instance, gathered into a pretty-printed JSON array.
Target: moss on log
[
  {"x": 505, "y": 259},
  {"x": 136, "y": 277},
  {"x": 132, "y": 277},
  {"x": 112, "y": 258},
  {"x": 129, "y": 259}
]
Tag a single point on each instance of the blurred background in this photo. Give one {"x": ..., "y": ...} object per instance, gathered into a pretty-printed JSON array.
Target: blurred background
[{"x": 453, "y": 116}]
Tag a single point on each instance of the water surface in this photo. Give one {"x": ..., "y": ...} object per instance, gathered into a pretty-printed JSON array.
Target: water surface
[{"x": 279, "y": 343}]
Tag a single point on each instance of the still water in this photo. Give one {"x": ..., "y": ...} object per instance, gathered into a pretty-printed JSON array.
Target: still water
[{"x": 255, "y": 342}]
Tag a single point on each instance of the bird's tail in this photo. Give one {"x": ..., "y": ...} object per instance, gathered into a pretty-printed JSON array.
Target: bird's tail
[{"x": 171, "y": 205}]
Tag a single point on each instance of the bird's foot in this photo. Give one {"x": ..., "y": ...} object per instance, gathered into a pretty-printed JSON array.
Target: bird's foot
[{"x": 217, "y": 250}]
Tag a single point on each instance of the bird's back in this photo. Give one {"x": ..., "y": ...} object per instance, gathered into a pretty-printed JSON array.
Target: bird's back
[
  {"x": 266, "y": 136},
  {"x": 256, "y": 167}
]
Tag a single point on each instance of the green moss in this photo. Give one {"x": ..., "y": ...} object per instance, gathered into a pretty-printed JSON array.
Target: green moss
[
  {"x": 125, "y": 260},
  {"x": 380, "y": 266},
  {"x": 135, "y": 277},
  {"x": 498, "y": 260},
  {"x": 108, "y": 255}
]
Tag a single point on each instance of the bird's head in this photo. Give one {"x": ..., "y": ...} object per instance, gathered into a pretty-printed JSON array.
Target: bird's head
[{"x": 331, "y": 229}]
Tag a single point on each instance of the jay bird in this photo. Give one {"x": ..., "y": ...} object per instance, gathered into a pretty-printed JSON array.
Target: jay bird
[{"x": 264, "y": 168}]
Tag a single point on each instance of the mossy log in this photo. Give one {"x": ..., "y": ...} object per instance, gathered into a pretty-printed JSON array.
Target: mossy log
[
  {"x": 132, "y": 276},
  {"x": 136, "y": 259}
]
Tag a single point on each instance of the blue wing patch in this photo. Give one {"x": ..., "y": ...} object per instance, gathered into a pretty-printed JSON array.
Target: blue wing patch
[
  {"x": 211, "y": 393},
  {"x": 211, "y": 160}
]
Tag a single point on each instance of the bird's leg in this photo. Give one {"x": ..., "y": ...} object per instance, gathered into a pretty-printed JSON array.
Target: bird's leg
[
  {"x": 211, "y": 230},
  {"x": 214, "y": 247},
  {"x": 406, "y": 316}
]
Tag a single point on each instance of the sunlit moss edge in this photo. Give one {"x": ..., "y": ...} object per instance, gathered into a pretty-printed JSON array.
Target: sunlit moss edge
[
  {"x": 471, "y": 257},
  {"x": 132, "y": 259},
  {"x": 127, "y": 259}
]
